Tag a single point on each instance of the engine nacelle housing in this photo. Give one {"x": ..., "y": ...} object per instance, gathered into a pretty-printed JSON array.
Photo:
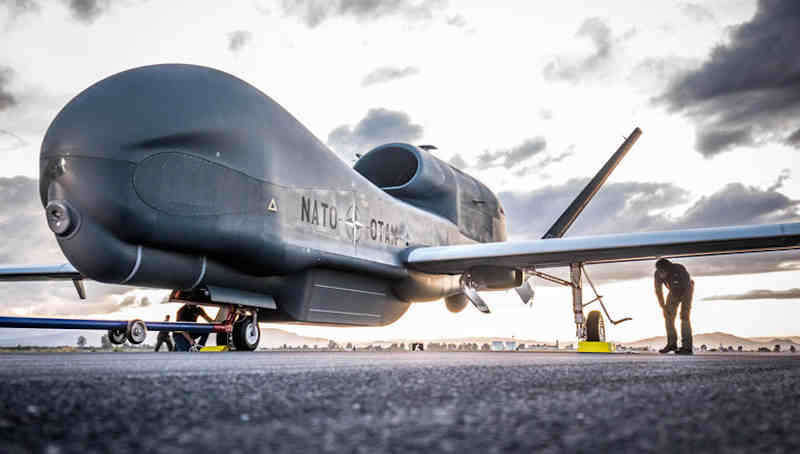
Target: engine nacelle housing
[{"x": 415, "y": 176}]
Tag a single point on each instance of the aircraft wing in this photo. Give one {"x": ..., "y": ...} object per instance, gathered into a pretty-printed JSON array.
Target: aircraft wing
[
  {"x": 39, "y": 273},
  {"x": 64, "y": 272},
  {"x": 552, "y": 252}
]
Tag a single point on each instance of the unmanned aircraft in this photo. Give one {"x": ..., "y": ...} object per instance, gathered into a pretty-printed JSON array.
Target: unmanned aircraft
[{"x": 187, "y": 178}]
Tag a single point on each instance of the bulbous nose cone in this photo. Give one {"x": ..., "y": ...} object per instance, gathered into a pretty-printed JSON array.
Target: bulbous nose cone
[
  {"x": 162, "y": 156},
  {"x": 94, "y": 146}
]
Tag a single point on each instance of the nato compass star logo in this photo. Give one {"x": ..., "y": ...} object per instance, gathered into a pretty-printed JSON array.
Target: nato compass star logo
[{"x": 353, "y": 225}]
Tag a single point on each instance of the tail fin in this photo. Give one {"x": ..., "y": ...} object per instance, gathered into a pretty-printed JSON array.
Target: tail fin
[{"x": 566, "y": 219}]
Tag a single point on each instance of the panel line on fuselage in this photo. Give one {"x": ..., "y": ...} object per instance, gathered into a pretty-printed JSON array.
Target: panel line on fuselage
[
  {"x": 349, "y": 290},
  {"x": 357, "y": 314}
]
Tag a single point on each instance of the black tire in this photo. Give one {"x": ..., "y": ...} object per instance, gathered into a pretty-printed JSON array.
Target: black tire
[
  {"x": 246, "y": 335},
  {"x": 595, "y": 329},
  {"x": 117, "y": 336},
  {"x": 136, "y": 332},
  {"x": 222, "y": 339}
]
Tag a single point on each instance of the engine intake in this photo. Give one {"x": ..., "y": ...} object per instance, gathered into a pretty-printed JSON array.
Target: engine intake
[{"x": 415, "y": 176}]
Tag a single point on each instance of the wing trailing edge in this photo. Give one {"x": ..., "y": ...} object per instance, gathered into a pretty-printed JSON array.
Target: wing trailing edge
[{"x": 605, "y": 248}]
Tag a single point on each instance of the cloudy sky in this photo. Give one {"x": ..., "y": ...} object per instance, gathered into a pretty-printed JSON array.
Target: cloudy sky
[{"x": 530, "y": 99}]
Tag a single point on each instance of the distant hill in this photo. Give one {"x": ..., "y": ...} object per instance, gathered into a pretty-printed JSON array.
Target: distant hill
[
  {"x": 716, "y": 339},
  {"x": 274, "y": 338},
  {"x": 768, "y": 339}
]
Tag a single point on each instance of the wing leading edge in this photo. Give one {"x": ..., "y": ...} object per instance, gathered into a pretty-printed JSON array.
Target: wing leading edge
[{"x": 605, "y": 248}]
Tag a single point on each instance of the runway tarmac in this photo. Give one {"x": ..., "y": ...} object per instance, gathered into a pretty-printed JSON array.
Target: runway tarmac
[{"x": 397, "y": 402}]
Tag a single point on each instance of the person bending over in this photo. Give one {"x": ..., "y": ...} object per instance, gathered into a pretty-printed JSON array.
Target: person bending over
[{"x": 681, "y": 289}]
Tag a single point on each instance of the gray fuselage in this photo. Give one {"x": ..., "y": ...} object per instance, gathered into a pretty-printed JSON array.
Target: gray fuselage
[{"x": 185, "y": 177}]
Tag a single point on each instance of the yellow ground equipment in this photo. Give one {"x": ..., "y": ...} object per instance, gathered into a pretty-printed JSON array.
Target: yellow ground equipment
[
  {"x": 215, "y": 348},
  {"x": 595, "y": 347}
]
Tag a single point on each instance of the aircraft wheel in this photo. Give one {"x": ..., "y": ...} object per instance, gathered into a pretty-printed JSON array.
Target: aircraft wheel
[
  {"x": 222, "y": 339},
  {"x": 595, "y": 329},
  {"x": 136, "y": 332},
  {"x": 117, "y": 336},
  {"x": 246, "y": 334}
]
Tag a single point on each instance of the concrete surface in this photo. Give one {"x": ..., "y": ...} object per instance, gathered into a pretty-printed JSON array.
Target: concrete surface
[{"x": 398, "y": 402}]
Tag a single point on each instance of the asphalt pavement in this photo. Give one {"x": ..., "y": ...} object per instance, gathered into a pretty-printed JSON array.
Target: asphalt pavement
[{"x": 397, "y": 402}]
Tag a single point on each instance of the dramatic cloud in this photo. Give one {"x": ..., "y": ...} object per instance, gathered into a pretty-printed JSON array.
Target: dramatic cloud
[
  {"x": 10, "y": 141},
  {"x": 238, "y": 39},
  {"x": 722, "y": 265},
  {"x": 639, "y": 207},
  {"x": 652, "y": 74},
  {"x": 378, "y": 127},
  {"x": 48, "y": 299},
  {"x": 27, "y": 240},
  {"x": 457, "y": 21},
  {"x": 737, "y": 204},
  {"x": 87, "y": 11},
  {"x": 7, "y": 99},
  {"x": 544, "y": 163},
  {"x": 315, "y": 12},
  {"x": 794, "y": 139},
  {"x": 17, "y": 8},
  {"x": 568, "y": 69},
  {"x": 696, "y": 12},
  {"x": 458, "y": 162},
  {"x": 790, "y": 294},
  {"x": 635, "y": 207},
  {"x": 387, "y": 74},
  {"x": 513, "y": 156},
  {"x": 617, "y": 208},
  {"x": 748, "y": 92}
]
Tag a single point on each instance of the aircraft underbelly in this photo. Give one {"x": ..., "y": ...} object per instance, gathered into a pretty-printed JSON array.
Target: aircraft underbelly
[{"x": 337, "y": 297}]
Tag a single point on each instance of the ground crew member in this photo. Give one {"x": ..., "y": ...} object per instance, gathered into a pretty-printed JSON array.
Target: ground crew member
[
  {"x": 681, "y": 289},
  {"x": 185, "y": 341},
  {"x": 163, "y": 338}
]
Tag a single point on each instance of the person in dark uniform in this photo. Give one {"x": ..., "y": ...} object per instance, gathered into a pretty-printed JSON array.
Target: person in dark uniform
[
  {"x": 163, "y": 338},
  {"x": 681, "y": 290},
  {"x": 185, "y": 341}
]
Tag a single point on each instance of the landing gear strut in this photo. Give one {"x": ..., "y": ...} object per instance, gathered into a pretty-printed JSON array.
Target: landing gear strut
[{"x": 592, "y": 327}]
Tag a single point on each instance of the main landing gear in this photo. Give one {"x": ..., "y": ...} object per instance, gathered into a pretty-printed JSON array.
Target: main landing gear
[
  {"x": 590, "y": 328},
  {"x": 595, "y": 328},
  {"x": 244, "y": 333}
]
